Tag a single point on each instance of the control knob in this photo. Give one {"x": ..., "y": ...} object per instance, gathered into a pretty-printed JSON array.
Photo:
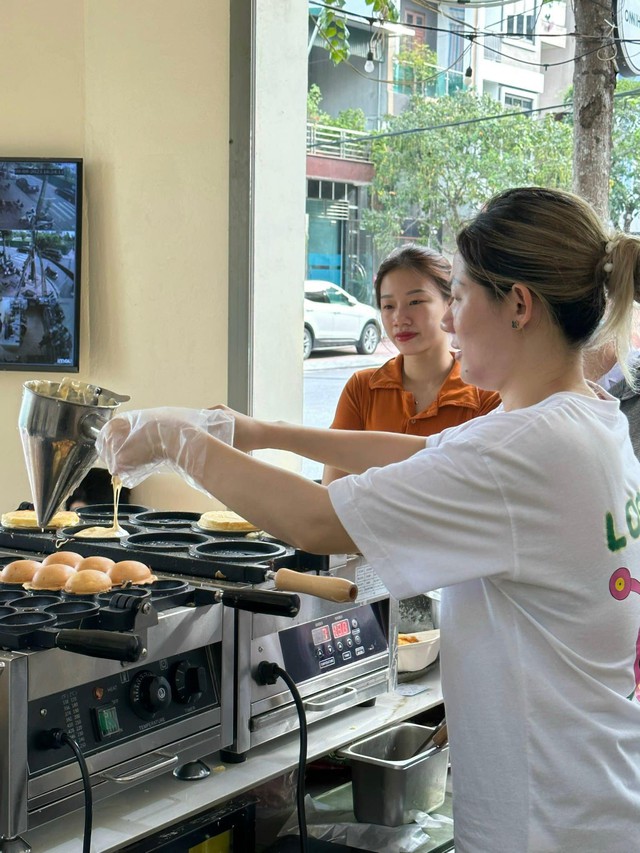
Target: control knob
[
  {"x": 189, "y": 682},
  {"x": 150, "y": 694}
]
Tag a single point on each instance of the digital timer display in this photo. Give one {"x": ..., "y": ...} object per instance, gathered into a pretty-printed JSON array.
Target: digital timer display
[
  {"x": 320, "y": 635},
  {"x": 341, "y": 628}
]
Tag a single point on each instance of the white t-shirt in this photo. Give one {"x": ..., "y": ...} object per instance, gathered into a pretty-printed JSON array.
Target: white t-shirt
[{"x": 531, "y": 521}]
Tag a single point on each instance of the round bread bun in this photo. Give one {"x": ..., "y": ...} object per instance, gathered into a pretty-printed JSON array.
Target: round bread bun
[
  {"x": 67, "y": 558},
  {"x": 225, "y": 520},
  {"x": 130, "y": 571},
  {"x": 52, "y": 576},
  {"x": 97, "y": 564},
  {"x": 19, "y": 571},
  {"x": 88, "y": 582}
]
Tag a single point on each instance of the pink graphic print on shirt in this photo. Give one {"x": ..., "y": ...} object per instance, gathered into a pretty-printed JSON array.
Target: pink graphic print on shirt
[{"x": 621, "y": 584}]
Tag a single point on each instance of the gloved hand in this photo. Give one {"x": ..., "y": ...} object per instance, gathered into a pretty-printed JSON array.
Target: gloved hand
[{"x": 136, "y": 444}]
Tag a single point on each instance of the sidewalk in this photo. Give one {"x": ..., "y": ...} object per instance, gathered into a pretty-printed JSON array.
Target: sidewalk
[{"x": 347, "y": 357}]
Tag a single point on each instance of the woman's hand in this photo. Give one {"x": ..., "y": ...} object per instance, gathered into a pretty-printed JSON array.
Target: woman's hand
[
  {"x": 249, "y": 433},
  {"x": 136, "y": 444},
  {"x": 128, "y": 442}
]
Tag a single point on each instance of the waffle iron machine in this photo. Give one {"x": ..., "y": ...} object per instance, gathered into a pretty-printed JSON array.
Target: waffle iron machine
[
  {"x": 340, "y": 652},
  {"x": 162, "y": 674},
  {"x": 136, "y": 681}
]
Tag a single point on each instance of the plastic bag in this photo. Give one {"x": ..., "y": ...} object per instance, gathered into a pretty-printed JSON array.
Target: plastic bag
[
  {"x": 328, "y": 823},
  {"x": 142, "y": 442}
]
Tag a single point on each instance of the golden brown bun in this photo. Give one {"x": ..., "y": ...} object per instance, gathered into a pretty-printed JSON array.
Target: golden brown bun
[
  {"x": 67, "y": 558},
  {"x": 51, "y": 576},
  {"x": 130, "y": 571},
  {"x": 19, "y": 571},
  {"x": 88, "y": 582},
  {"x": 225, "y": 520},
  {"x": 97, "y": 564},
  {"x": 27, "y": 518}
]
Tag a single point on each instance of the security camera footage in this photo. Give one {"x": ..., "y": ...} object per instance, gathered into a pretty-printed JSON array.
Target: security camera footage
[{"x": 40, "y": 221}]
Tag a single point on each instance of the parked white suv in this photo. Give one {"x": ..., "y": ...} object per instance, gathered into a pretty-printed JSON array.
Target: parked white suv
[{"x": 334, "y": 318}]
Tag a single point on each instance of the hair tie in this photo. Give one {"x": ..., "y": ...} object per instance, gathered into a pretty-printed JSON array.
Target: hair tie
[{"x": 609, "y": 246}]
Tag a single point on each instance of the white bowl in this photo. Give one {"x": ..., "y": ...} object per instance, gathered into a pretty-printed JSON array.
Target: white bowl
[{"x": 415, "y": 656}]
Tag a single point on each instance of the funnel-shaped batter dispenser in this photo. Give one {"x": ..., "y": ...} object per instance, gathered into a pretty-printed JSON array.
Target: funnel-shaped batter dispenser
[{"x": 59, "y": 423}]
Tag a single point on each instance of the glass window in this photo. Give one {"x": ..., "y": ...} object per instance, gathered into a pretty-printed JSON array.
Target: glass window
[
  {"x": 518, "y": 102},
  {"x": 337, "y": 297},
  {"x": 521, "y": 24},
  {"x": 316, "y": 295}
]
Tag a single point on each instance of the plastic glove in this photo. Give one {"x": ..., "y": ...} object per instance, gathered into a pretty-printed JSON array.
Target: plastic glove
[{"x": 134, "y": 445}]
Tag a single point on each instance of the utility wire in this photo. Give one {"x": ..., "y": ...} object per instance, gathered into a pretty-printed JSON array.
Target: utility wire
[
  {"x": 419, "y": 82},
  {"x": 479, "y": 33},
  {"x": 560, "y": 108}
]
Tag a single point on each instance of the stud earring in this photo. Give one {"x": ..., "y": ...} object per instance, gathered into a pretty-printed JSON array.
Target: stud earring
[{"x": 515, "y": 324}]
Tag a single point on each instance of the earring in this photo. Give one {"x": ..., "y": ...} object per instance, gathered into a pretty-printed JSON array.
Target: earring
[{"x": 515, "y": 324}]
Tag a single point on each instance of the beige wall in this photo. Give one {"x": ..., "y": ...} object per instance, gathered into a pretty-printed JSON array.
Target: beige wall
[{"x": 140, "y": 91}]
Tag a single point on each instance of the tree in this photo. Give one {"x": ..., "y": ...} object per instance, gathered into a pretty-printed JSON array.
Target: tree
[
  {"x": 334, "y": 31},
  {"x": 594, "y": 80},
  {"x": 426, "y": 183},
  {"x": 351, "y": 119}
]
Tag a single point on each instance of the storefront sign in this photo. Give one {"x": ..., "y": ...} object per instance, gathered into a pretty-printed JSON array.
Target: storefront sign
[{"x": 626, "y": 14}]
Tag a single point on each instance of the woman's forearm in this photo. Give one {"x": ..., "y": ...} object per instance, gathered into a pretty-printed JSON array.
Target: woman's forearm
[
  {"x": 288, "y": 506},
  {"x": 329, "y": 474},
  {"x": 352, "y": 451}
]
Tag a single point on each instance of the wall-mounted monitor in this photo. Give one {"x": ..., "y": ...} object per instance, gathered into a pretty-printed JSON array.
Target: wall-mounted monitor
[{"x": 40, "y": 229}]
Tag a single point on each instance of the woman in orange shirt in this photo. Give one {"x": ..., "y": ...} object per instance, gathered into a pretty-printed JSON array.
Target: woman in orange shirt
[{"x": 420, "y": 391}]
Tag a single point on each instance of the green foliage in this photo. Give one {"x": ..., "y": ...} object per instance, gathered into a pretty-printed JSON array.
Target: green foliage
[
  {"x": 334, "y": 31},
  {"x": 351, "y": 119},
  {"x": 624, "y": 196},
  {"x": 314, "y": 98},
  {"x": 420, "y": 60},
  {"x": 431, "y": 180}
]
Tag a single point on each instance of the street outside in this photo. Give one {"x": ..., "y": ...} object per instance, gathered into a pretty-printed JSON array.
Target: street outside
[{"x": 325, "y": 375}]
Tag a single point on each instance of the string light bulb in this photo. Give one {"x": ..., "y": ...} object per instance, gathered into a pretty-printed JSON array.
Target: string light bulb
[
  {"x": 469, "y": 72},
  {"x": 369, "y": 66}
]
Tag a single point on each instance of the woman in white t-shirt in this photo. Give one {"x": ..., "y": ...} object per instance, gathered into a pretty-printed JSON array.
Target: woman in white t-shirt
[{"x": 529, "y": 518}]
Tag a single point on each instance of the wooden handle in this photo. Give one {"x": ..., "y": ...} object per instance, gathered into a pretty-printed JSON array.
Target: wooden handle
[
  {"x": 441, "y": 736},
  {"x": 330, "y": 588}
]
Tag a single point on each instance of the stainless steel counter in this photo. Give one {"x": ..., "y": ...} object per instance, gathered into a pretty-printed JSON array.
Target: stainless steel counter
[{"x": 164, "y": 801}]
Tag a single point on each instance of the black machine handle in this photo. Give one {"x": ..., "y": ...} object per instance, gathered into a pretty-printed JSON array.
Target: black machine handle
[
  {"x": 113, "y": 645},
  {"x": 263, "y": 601}
]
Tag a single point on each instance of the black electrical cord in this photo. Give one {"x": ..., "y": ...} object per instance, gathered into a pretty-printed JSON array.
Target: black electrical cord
[
  {"x": 55, "y": 739},
  {"x": 268, "y": 673}
]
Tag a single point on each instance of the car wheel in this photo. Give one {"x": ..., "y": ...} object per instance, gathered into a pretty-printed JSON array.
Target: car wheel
[
  {"x": 308, "y": 343},
  {"x": 369, "y": 340}
]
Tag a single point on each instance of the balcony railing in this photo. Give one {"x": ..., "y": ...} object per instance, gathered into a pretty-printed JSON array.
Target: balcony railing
[{"x": 326, "y": 141}]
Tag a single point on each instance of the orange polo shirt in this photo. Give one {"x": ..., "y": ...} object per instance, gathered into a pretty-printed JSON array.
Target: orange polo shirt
[{"x": 374, "y": 399}]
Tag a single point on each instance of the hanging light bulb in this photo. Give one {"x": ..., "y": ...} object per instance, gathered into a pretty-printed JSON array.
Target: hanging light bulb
[
  {"x": 369, "y": 65},
  {"x": 469, "y": 72}
]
